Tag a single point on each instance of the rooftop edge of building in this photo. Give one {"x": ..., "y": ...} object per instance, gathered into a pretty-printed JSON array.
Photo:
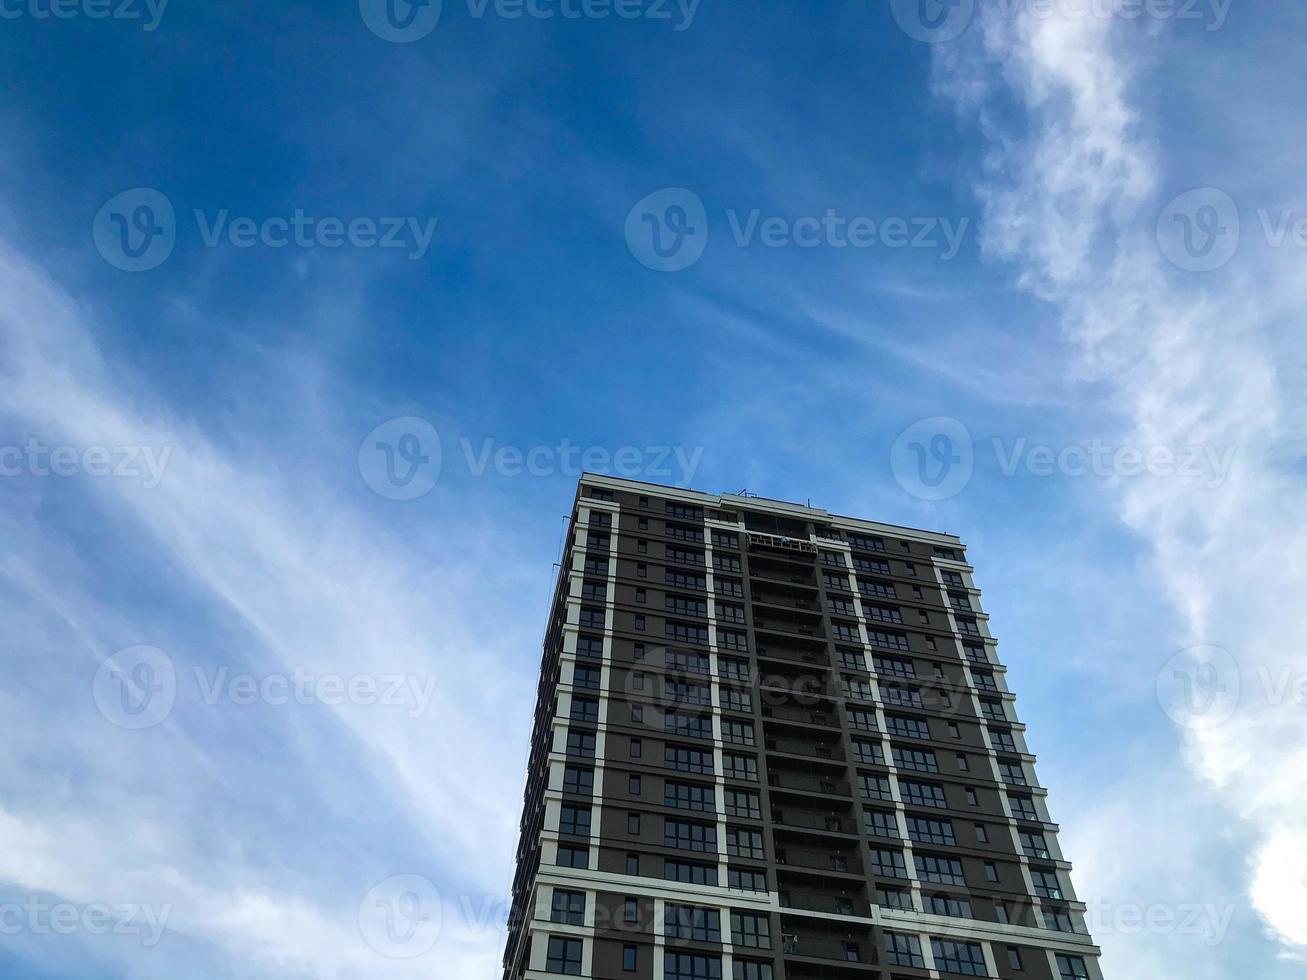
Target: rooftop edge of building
[{"x": 767, "y": 504}]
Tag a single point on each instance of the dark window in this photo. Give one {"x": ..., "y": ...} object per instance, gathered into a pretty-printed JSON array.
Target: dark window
[
  {"x": 694, "y": 923},
  {"x": 568, "y": 907},
  {"x": 564, "y": 956}
]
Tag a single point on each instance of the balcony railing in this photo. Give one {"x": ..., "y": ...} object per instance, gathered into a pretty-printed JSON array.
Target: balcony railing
[
  {"x": 809, "y": 784},
  {"x": 826, "y": 902}
]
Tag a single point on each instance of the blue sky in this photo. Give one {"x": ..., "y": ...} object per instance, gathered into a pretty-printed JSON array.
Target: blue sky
[{"x": 1066, "y": 312}]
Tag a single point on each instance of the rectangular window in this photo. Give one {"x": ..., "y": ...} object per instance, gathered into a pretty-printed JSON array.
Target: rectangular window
[
  {"x": 1034, "y": 845},
  {"x": 868, "y": 752},
  {"x": 901, "y": 950},
  {"x": 1047, "y": 884},
  {"x": 728, "y": 587},
  {"x": 741, "y": 767},
  {"x": 945, "y": 871},
  {"x": 894, "y": 666},
  {"x": 888, "y": 639},
  {"x": 584, "y": 709},
  {"x": 923, "y": 794},
  {"x": 687, "y": 726},
  {"x": 578, "y": 781},
  {"x": 744, "y": 880},
  {"x": 568, "y": 908},
  {"x": 730, "y": 614},
  {"x": 684, "y": 580},
  {"x": 690, "y": 873},
  {"x": 873, "y": 787},
  {"x": 923, "y": 830},
  {"x": 893, "y": 898},
  {"x": 881, "y": 824},
  {"x": 1023, "y": 807},
  {"x": 862, "y": 721},
  {"x": 564, "y": 956},
  {"x": 686, "y": 512},
  {"x": 959, "y": 957},
  {"x": 693, "y": 923},
  {"x": 751, "y": 931},
  {"x": 888, "y": 864},
  {"x": 731, "y": 640},
  {"x": 688, "y": 760},
  {"x": 581, "y": 744},
  {"x": 900, "y": 696},
  {"x": 691, "y": 966},
  {"x": 883, "y": 614},
  {"x": 915, "y": 760},
  {"x": 586, "y": 678},
  {"x": 573, "y": 857},
  {"x": 744, "y": 843},
  {"x": 738, "y": 732},
  {"x": 687, "y": 836},
  {"x": 874, "y": 565},
  {"x": 907, "y": 727},
  {"x": 686, "y": 632},
  {"x": 685, "y": 605},
  {"x": 684, "y": 556},
  {"x": 742, "y": 803},
  {"x": 730, "y": 669},
  {"x": 690, "y": 796},
  {"x": 958, "y": 908},
  {"x": 575, "y": 821}
]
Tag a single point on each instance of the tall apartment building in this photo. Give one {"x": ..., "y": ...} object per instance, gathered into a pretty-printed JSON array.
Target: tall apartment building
[{"x": 771, "y": 743}]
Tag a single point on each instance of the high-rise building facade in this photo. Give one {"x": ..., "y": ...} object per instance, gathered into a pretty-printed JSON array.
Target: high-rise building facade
[{"x": 776, "y": 744}]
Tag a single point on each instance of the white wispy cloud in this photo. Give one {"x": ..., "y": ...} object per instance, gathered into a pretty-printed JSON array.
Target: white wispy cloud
[
  {"x": 261, "y": 829},
  {"x": 1070, "y": 192}
]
